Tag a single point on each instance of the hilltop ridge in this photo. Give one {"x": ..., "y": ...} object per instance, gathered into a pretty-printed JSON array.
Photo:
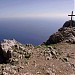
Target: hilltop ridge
[{"x": 65, "y": 34}]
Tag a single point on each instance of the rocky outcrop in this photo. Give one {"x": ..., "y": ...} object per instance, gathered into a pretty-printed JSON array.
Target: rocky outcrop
[
  {"x": 56, "y": 37},
  {"x": 6, "y": 50},
  {"x": 10, "y": 49},
  {"x": 64, "y": 34},
  {"x": 67, "y": 23}
]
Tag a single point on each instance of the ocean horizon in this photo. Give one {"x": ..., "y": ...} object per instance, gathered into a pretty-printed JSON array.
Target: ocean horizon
[{"x": 29, "y": 30}]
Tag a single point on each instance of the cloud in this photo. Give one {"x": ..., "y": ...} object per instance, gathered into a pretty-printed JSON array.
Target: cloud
[{"x": 34, "y": 15}]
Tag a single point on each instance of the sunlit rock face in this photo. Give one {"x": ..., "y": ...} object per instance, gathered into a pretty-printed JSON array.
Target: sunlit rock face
[
  {"x": 12, "y": 49},
  {"x": 64, "y": 34},
  {"x": 6, "y": 50}
]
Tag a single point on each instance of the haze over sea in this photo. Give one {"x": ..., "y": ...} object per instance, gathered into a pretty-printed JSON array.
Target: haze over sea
[{"x": 29, "y": 30}]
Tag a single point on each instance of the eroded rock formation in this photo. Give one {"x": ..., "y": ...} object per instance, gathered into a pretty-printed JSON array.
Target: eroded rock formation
[{"x": 64, "y": 34}]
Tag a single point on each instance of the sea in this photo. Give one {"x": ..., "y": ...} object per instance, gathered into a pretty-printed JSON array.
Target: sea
[{"x": 29, "y": 30}]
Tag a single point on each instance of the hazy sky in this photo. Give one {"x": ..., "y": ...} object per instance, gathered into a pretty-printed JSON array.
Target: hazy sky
[{"x": 35, "y": 8}]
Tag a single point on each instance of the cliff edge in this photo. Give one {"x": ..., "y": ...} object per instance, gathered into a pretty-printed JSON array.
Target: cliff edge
[{"x": 65, "y": 34}]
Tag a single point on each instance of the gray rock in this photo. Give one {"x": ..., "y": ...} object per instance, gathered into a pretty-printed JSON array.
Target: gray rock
[
  {"x": 55, "y": 38},
  {"x": 6, "y": 50}
]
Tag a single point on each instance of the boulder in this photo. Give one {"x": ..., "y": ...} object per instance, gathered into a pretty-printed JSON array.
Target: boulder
[
  {"x": 11, "y": 49},
  {"x": 6, "y": 50}
]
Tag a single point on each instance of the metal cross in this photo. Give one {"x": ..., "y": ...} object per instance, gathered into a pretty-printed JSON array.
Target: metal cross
[
  {"x": 71, "y": 18},
  {"x": 71, "y": 15}
]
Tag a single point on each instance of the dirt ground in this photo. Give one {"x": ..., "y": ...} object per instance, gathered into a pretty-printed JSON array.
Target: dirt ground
[{"x": 56, "y": 59}]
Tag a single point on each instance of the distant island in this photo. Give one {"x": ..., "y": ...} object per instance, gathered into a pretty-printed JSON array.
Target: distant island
[{"x": 56, "y": 56}]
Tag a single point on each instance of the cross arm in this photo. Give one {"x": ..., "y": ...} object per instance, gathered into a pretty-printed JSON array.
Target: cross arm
[{"x": 71, "y": 15}]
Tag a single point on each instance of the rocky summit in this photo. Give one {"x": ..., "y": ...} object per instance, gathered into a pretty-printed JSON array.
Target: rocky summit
[
  {"x": 55, "y": 57},
  {"x": 65, "y": 34}
]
